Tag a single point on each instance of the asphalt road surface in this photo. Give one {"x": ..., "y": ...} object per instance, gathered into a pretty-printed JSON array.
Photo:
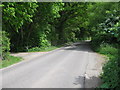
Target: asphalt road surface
[{"x": 61, "y": 68}]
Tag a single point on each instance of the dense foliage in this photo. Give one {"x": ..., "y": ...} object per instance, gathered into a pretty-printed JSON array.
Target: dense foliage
[
  {"x": 16, "y": 18},
  {"x": 111, "y": 68},
  {"x": 5, "y": 44},
  {"x": 35, "y": 26},
  {"x": 43, "y": 24},
  {"x": 105, "y": 32}
]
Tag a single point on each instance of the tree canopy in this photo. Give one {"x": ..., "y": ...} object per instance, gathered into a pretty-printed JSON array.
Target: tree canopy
[{"x": 27, "y": 25}]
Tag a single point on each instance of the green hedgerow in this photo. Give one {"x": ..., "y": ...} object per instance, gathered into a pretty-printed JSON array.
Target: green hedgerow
[{"x": 5, "y": 41}]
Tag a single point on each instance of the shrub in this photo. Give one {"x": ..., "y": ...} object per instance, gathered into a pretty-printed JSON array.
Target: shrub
[
  {"x": 96, "y": 41},
  {"x": 99, "y": 39},
  {"x": 0, "y": 43},
  {"x": 110, "y": 74},
  {"x": 108, "y": 49},
  {"x": 111, "y": 69},
  {"x": 102, "y": 44},
  {"x": 36, "y": 49},
  {"x": 5, "y": 45}
]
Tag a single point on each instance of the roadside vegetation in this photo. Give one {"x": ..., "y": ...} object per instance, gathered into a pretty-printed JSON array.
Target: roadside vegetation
[
  {"x": 111, "y": 69},
  {"x": 106, "y": 41},
  {"x": 37, "y": 49},
  {"x": 10, "y": 60},
  {"x": 39, "y": 26},
  {"x": 7, "y": 59}
]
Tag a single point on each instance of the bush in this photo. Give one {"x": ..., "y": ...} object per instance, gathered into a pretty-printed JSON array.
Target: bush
[
  {"x": 102, "y": 43},
  {"x": 42, "y": 49},
  {"x": 96, "y": 41},
  {"x": 43, "y": 42},
  {"x": 110, "y": 74},
  {"x": 5, "y": 45},
  {"x": 99, "y": 39},
  {"x": 108, "y": 49},
  {"x": 111, "y": 69},
  {"x": 0, "y": 43},
  {"x": 34, "y": 49}
]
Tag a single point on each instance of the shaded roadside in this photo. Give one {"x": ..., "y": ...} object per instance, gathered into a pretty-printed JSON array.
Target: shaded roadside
[
  {"x": 94, "y": 70},
  {"x": 28, "y": 55}
]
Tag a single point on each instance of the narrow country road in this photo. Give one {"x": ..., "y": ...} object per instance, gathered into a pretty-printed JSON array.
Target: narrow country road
[{"x": 62, "y": 68}]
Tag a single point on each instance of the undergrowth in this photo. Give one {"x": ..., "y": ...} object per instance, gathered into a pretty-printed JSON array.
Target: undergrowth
[
  {"x": 42, "y": 49},
  {"x": 110, "y": 78},
  {"x": 10, "y": 60}
]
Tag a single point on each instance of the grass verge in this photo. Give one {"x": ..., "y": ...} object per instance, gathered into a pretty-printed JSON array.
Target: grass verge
[
  {"x": 10, "y": 60},
  {"x": 43, "y": 49}
]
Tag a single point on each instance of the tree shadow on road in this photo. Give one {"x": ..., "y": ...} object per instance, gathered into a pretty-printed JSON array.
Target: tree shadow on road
[
  {"x": 79, "y": 47},
  {"x": 91, "y": 82}
]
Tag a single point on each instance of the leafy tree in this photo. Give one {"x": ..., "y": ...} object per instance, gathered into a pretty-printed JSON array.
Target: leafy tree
[
  {"x": 72, "y": 18},
  {"x": 15, "y": 16}
]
